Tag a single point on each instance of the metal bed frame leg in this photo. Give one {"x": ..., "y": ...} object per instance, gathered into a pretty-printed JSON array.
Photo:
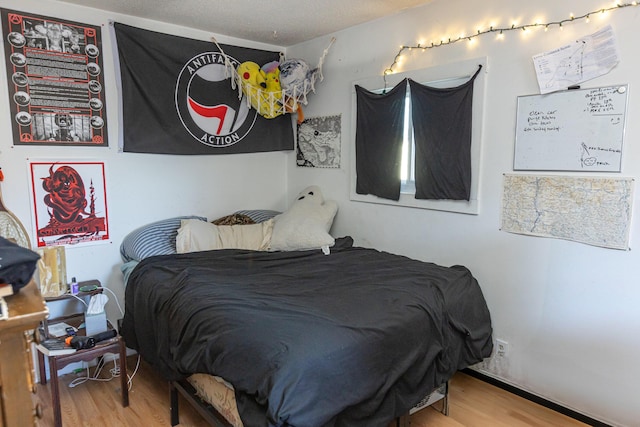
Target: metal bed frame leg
[
  {"x": 175, "y": 417},
  {"x": 445, "y": 400},
  {"x": 403, "y": 421}
]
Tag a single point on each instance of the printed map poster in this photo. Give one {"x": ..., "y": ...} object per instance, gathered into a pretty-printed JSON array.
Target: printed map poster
[
  {"x": 319, "y": 142},
  {"x": 595, "y": 211},
  {"x": 56, "y": 81},
  {"x": 69, "y": 202}
]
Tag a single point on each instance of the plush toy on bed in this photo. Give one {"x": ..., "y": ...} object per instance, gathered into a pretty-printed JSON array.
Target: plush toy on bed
[{"x": 306, "y": 224}]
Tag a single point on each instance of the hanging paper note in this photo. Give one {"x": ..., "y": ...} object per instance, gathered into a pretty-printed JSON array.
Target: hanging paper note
[{"x": 584, "y": 59}]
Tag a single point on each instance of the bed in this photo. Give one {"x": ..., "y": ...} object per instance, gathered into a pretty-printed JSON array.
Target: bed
[{"x": 357, "y": 337}]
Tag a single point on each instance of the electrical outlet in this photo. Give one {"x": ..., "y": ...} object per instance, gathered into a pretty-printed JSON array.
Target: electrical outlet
[{"x": 502, "y": 348}]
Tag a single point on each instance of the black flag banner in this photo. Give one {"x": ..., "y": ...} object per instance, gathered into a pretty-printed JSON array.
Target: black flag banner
[{"x": 177, "y": 98}]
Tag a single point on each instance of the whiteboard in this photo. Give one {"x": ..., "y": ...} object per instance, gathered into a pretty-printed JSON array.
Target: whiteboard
[{"x": 573, "y": 130}]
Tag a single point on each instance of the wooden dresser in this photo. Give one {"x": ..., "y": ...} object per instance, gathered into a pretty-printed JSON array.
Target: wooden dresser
[{"x": 26, "y": 310}]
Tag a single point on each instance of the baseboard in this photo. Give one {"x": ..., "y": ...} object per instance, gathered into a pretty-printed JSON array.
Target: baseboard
[{"x": 536, "y": 399}]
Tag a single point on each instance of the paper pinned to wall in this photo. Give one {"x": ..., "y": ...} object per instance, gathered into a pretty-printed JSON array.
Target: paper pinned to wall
[
  {"x": 585, "y": 59},
  {"x": 595, "y": 211}
]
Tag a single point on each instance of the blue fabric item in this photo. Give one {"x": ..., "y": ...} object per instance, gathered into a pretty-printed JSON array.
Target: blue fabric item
[
  {"x": 156, "y": 238},
  {"x": 126, "y": 269}
]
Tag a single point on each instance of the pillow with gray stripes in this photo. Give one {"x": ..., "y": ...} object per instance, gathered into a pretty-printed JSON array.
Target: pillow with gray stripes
[
  {"x": 156, "y": 238},
  {"x": 159, "y": 237}
]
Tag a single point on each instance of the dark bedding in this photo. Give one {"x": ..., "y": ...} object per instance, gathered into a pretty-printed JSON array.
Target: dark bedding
[{"x": 354, "y": 338}]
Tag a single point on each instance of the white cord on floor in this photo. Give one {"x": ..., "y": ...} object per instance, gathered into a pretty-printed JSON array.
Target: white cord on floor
[
  {"x": 135, "y": 370},
  {"x": 115, "y": 372}
]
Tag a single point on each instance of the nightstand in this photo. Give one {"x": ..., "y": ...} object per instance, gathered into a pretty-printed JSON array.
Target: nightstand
[{"x": 115, "y": 345}]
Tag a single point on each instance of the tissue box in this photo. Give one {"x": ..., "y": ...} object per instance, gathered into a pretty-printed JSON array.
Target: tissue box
[{"x": 95, "y": 323}]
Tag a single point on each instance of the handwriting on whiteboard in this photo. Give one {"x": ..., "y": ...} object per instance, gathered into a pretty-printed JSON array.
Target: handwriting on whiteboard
[{"x": 575, "y": 130}]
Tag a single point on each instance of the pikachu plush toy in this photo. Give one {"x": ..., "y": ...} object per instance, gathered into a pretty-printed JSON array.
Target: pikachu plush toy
[{"x": 262, "y": 88}]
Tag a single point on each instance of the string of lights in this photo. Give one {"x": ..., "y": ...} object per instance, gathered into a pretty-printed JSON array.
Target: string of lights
[{"x": 501, "y": 30}]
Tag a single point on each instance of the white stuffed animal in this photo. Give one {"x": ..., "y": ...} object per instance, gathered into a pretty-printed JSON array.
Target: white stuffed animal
[{"x": 306, "y": 224}]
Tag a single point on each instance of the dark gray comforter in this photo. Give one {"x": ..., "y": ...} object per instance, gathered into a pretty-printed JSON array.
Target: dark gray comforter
[{"x": 355, "y": 338}]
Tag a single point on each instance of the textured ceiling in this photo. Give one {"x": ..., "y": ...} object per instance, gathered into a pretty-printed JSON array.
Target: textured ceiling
[{"x": 279, "y": 22}]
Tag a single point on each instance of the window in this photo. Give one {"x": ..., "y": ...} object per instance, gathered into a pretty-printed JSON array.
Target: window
[
  {"x": 442, "y": 76},
  {"x": 408, "y": 170}
]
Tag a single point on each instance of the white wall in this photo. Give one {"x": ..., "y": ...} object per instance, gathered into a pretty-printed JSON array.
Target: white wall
[
  {"x": 569, "y": 311},
  {"x": 140, "y": 187}
]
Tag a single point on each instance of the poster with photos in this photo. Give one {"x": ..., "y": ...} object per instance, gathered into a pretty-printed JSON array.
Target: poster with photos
[
  {"x": 55, "y": 79},
  {"x": 69, "y": 202},
  {"x": 319, "y": 142}
]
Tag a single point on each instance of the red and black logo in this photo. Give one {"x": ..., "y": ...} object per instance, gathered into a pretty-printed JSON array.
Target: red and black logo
[{"x": 208, "y": 107}]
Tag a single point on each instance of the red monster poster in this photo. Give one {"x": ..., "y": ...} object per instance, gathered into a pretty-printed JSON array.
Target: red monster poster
[{"x": 70, "y": 203}]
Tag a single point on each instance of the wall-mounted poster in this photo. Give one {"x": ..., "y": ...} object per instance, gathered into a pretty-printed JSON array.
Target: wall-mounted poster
[
  {"x": 69, "y": 202},
  {"x": 56, "y": 81},
  {"x": 319, "y": 142}
]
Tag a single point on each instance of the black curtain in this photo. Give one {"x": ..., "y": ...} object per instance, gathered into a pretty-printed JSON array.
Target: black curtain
[
  {"x": 442, "y": 136},
  {"x": 379, "y": 128}
]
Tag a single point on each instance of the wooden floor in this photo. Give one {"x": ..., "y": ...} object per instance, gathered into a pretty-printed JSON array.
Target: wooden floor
[{"x": 472, "y": 402}]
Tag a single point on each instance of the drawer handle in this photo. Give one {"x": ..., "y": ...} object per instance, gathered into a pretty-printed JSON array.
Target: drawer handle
[{"x": 37, "y": 411}]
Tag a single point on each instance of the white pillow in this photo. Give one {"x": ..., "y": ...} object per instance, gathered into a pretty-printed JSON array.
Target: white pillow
[
  {"x": 195, "y": 235},
  {"x": 306, "y": 224}
]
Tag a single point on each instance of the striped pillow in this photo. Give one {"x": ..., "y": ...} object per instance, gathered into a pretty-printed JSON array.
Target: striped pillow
[
  {"x": 156, "y": 238},
  {"x": 259, "y": 215}
]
